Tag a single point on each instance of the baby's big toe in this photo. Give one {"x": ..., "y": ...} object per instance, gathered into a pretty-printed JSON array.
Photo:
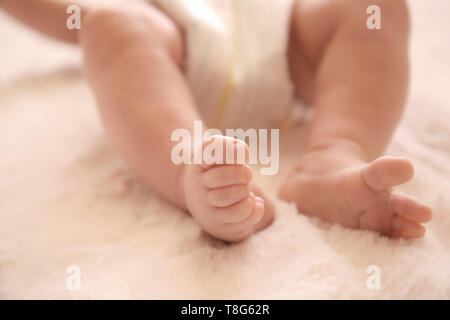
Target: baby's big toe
[
  {"x": 218, "y": 150},
  {"x": 386, "y": 172}
]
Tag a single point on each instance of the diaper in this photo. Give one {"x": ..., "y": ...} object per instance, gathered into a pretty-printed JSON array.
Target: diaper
[{"x": 236, "y": 59}]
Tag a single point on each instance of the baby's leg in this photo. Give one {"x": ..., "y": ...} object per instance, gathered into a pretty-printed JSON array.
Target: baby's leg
[
  {"x": 48, "y": 16},
  {"x": 130, "y": 58},
  {"x": 133, "y": 60},
  {"x": 361, "y": 79}
]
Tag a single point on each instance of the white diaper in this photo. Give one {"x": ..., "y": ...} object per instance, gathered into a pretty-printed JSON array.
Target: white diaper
[{"x": 236, "y": 61}]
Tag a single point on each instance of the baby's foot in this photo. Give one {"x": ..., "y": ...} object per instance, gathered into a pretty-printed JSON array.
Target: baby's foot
[
  {"x": 222, "y": 198},
  {"x": 343, "y": 189}
]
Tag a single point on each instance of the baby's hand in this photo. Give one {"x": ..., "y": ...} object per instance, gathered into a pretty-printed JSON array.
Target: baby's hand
[{"x": 220, "y": 197}]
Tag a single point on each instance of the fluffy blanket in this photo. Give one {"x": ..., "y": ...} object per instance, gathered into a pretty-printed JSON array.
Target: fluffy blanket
[{"x": 69, "y": 206}]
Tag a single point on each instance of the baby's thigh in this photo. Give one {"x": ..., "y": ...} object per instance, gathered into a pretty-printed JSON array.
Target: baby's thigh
[
  {"x": 317, "y": 21},
  {"x": 109, "y": 32}
]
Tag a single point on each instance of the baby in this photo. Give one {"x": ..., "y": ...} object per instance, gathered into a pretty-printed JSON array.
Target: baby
[{"x": 135, "y": 56}]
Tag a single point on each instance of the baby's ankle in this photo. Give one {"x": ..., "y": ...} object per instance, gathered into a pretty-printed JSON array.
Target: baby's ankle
[
  {"x": 181, "y": 190},
  {"x": 342, "y": 147}
]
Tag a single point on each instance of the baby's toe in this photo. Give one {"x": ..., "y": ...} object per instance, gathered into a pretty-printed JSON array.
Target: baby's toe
[
  {"x": 386, "y": 172},
  {"x": 220, "y": 150},
  {"x": 227, "y": 175},
  {"x": 242, "y": 230},
  {"x": 227, "y": 196},
  {"x": 404, "y": 227},
  {"x": 407, "y": 206},
  {"x": 236, "y": 212},
  {"x": 257, "y": 215}
]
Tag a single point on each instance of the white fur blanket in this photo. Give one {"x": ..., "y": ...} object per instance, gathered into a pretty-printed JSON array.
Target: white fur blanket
[{"x": 66, "y": 198}]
